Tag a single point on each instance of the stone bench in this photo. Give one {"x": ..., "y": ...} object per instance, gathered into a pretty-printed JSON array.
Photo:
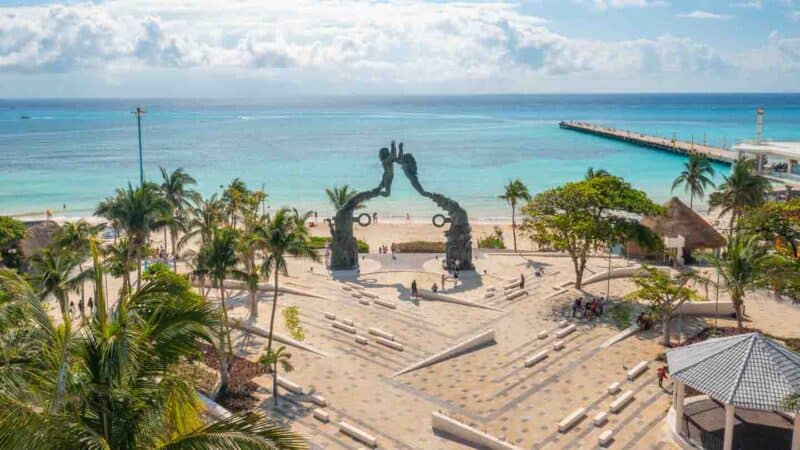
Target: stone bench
[
  {"x": 491, "y": 289},
  {"x": 571, "y": 420},
  {"x": 566, "y": 331},
  {"x": 613, "y": 388},
  {"x": 322, "y": 415},
  {"x": 381, "y": 333},
  {"x": 344, "y": 327},
  {"x": 289, "y": 385},
  {"x": 488, "y": 295},
  {"x": 330, "y": 316},
  {"x": 620, "y": 402},
  {"x": 348, "y": 322},
  {"x": 369, "y": 294},
  {"x": 361, "y": 340},
  {"x": 363, "y": 301},
  {"x": 542, "y": 334},
  {"x": 600, "y": 418},
  {"x": 356, "y": 295},
  {"x": 353, "y": 286},
  {"x": 347, "y": 288},
  {"x": 563, "y": 323},
  {"x": 390, "y": 344},
  {"x": 319, "y": 400},
  {"x": 605, "y": 437},
  {"x": 384, "y": 303},
  {"x": 512, "y": 285},
  {"x": 558, "y": 345},
  {"x": 357, "y": 434},
  {"x": 637, "y": 370},
  {"x": 516, "y": 294},
  {"x": 541, "y": 356}
]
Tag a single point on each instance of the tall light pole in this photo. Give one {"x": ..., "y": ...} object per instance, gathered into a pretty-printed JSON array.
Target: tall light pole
[{"x": 139, "y": 112}]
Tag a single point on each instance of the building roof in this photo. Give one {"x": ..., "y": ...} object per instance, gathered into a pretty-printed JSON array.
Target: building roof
[
  {"x": 680, "y": 220},
  {"x": 787, "y": 149},
  {"x": 746, "y": 370}
]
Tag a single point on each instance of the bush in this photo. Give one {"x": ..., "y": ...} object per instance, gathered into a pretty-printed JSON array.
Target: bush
[
  {"x": 320, "y": 242},
  {"x": 494, "y": 240},
  {"x": 620, "y": 313},
  {"x": 419, "y": 247}
]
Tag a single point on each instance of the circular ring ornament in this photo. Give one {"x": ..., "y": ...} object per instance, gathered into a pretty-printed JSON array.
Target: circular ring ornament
[
  {"x": 439, "y": 220},
  {"x": 364, "y": 219}
]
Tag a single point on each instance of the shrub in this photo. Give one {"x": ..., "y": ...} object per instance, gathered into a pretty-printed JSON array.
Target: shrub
[
  {"x": 494, "y": 240},
  {"x": 620, "y": 313},
  {"x": 419, "y": 247},
  {"x": 320, "y": 242}
]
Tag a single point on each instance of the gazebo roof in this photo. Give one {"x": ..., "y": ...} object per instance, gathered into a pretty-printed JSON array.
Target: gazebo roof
[
  {"x": 747, "y": 370},
  {"x": 681, "y": 220}
]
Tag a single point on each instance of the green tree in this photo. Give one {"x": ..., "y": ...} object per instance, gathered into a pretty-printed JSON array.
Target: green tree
[
  {"x": 740, "y": 190},
  {"x": 745, "y": 266},
  {"x": 515, "y": 191},
  {"x": 11, "y": 231},
  {"x": 207, "y": 216},
  {"x": 75, "y": 237},
  {"x": 271, "y": 359},
  {"x": 136, "y": 212},
  {"x": 591, "y": 172},
  {"x": 176, "y": 189},
  {"x": 663, "y": 294},
  {"x": 340, "y": 195},
  {"x": 55, "y": 272},
  {"x": 233, "y": 197},
  {"x": 695, "y": 177},
  {"x": 582, "y": 216},
  {"x": 114, "y": 383},
  {"x": 285, "y": 234},
  {"x": 219, "y": 256}
]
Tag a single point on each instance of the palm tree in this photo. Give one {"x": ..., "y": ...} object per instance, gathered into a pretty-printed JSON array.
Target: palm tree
[
  {"x": 741, "y": 190},
  {"x": 116, "y": 261},
  {"x": 340, "y": 195},
  {"x": 136, "y": 212},
  {"x": 591, "y": 172},
  {"x": 248, "y": 242},
  {"x": 219, "y": 258},
  {"x": 695, "y": 177},
  {"x": 234, "y": 196},
  {"x": 744, "y": 267},
  {"x": 270, "y": 361},
  {"x": 285, "y": 234},
  {"x": 115, "y": 383},
  {"x": 175, "y": 189},
  {"x": 54, "y": 272},
  {"x": 515, "y": 191},
  {"x": 204, "y": 219},
  {"x": 74, "y": 237}
]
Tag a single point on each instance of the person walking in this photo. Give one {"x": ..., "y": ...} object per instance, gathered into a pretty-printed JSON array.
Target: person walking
[
  {"x": 522, "y": 281},
  {"x": 414, "y": 289},
  {"x": 71, "y": 310},
  {"x": 82, "y": 310},
  {"x": 91, "y": 306},
  {"x": 662, "y": 375},
  {"x": 444, "y": 277}
]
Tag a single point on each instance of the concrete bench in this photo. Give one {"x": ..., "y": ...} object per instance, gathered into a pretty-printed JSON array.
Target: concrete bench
[
  {"x": 600, "y": 418},
  {"x": 488, "y": 295},
  {"x": 384, "y": 303},
  {"x": 319, "y": 400},
  {"x": 347, "y": 288},
  {"x": 363, "y": 301},
  {"x": 348, "y": 322},
  {"x": 353, "y": 286},
  {"x": 571, "y": 420},
  {"x": 613, "y": 388},
  {"x": 563, "y": 323},
  {"x": 390, "y": 344},
  {"x": 344, "y": 327},
  {"x": 357, "y": 434},
  {"x": 620, "y": 402},
  {"x": 289, "y": 386},
  {"x": 566, "y": 331},
  {"x": 369, "y": 294},
  {"x": 637, "y": 370},
  {"x": 558, "y": 345},
  {"x": 361, "y": 340},
  {"x": 356, "y": 295},
  {"x": 322, "y": 415},
  {"x": 330, "y": 316},
  {"x": 542, "y": 335},
  {"x": 491, "y": 289},
  {"x": 541, "y": 356},
  {"x": 381, "y": 333},
  {"x": 605, "y": 437},
  {"x": 512, "y": 285},
  {"x": 515, "y": 294}
]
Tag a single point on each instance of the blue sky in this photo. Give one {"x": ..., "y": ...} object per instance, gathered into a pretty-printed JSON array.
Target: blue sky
[{"x": 263, "y": 48}]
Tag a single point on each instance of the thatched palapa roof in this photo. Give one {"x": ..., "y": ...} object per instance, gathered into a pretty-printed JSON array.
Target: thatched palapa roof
[{"x": 681, "y": 220}]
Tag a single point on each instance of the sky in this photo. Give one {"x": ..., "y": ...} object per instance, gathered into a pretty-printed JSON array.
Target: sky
[{"x": 276, "y": 48}]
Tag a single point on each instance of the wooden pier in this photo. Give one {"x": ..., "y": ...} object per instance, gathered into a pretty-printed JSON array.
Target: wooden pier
[{"x": 655, "y": 142}]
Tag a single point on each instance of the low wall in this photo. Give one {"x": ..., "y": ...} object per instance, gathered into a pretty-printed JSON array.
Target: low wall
[
  {"x": 428, "y": 295},
  {"x": 467, "y": 345},
  {"x": 622, "y": 272},
  {"x": 706, "y": 309},
  {"x": 243, "y": 326},
  {"x": 467, "y": 434}
]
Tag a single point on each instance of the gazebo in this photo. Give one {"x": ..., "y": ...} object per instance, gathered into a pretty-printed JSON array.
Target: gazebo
[{"x": 744, "y": 371}]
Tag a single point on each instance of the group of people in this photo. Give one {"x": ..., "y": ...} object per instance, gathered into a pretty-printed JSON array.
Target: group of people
[
  {"x": 384, "y": 250},
  {"x": 161, "y": 253},
  {"x": 81, "y": 307},
  {"x": 592, "y": 308},
  {"x": 644, "y": 321}
]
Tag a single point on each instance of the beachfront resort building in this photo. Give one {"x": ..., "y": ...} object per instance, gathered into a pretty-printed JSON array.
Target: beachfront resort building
[{"x": 776, "y": 160}]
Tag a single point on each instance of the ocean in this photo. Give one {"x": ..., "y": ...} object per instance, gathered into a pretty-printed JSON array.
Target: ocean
[{"x": 67, "y": 155}]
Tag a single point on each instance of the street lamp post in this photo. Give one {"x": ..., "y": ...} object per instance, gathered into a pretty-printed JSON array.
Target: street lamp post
[{"x": 139, "y": 112}]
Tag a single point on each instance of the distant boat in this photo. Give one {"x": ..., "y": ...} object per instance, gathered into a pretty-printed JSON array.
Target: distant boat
[{"x": 24, "y": 117}]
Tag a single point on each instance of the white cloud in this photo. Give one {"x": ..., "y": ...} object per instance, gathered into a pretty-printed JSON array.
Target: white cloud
[
  {"x": 603, "y": 5},
  {"x": 752, "y": 4},
  {"x": 704, "y": 15}
]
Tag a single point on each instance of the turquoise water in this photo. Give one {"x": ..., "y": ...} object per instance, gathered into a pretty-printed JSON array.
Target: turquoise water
[{"x": 75, "y": 152}]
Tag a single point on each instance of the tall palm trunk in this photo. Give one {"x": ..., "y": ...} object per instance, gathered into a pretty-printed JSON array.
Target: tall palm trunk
[
  {"x": 269, "y": 340},
  {"x": 225, "y": 327},
  {"x": 737, "y": 304},
  {"x": 253, "y": 304},
  {"x": 514, "y": 226},
  {"x": 665, "y": 324},
  {"x": 691, "y": 201},
  {"x": 223, "y": 366},
  {"x": 173, "y": 236}
]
